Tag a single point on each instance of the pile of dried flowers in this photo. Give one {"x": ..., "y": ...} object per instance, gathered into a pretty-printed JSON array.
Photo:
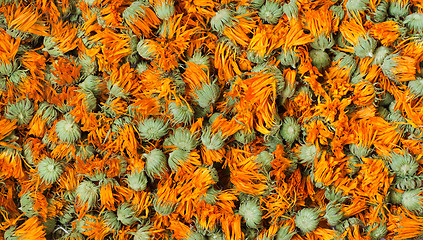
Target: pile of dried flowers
[{"x": 207, "y": 119}]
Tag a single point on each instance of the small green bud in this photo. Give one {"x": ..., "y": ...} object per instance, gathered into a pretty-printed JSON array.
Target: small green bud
[{"x": 412, "y": 200}]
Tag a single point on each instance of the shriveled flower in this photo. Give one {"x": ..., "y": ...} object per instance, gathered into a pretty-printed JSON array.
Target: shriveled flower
[
  {"x": 408, "y": 182},
  {"x": 319, "y": 59},
  {"x": 111, "y": 220},
  {"x": 222, "y": 19},
  {"x": 333, "y": 214},
  {"x": 265, "y": 158},
  {"x": 87, "y": 193},
  {"x": 211, "y": 196},
  {"x": 126, "y": 214},
  {"x": 27, "y": 205},
  {"x": 322, "y": 42},
  {"x": 184, "y": 139},
  {"x": 49, "y": 170},
  {"x": 152, "y": 128},
  {"x": 250, "y": 211},
  {"x": 288, "y": 57},
  {"x": 365, "y": 46},
  {"x": 399, "y": 9},
  {"x": 403, "y": 164},
  {"x": 381, "y": 12},
  {"x": 307, "y": 219},
  {"x": 380, "y": 54},
  {"x": 359, "y": 151},
  {"x": 146, "y": 49},
  {"x": 271, "y": 12},
  {"x": 182, "y": 113},
  {"x": 290, "y": 130},
  {"x": 354, "y": 7},
  {"x": 92, "y": 83},
  {"x": 155, "y": 163},
  {"x": 212, "y": 141},
  {"x": 416, "y": 87},
  {"x": 291, "y": 9},
  {"x": 164, "y": 9},
  {"x": 143, "y": 233},
  {"x": 414, "y": 22},
  {"x": 285, "y": 233},
  {"x": 68, "y": 130},
  {"x": 163, "y": 207},
  {"x": 177, "y": 158},
  {"x": 413, "y": 201},
  {"x": 207, "y": 94},
  {"x": 245, "y": 137},
  {"x": 137, "y": 180},
  {"x": 379, "y": 231},
  {"x": 22, "y": 111}
]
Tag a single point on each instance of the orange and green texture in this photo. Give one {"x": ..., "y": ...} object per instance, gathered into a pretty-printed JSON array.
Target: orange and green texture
[{"x": 211, "y": 119}]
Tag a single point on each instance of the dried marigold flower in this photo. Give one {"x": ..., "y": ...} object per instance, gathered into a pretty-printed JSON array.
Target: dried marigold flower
[
  {"x": 333, "y": 213},
  {"x": 184, "y": 139},
  {"x": 222, "y": 19},
  {"x": 22, "y": 111},
  {"x": 87, "y": 193},
  {"x": 290, "y": 130},
  {"x": 381, "y": 12},
  {"x": 126, "y": 214},
  {"x": 207, "y": 95},
  {"x": 365, "y": 46},
  {"x": 244, "y": 136},
  {"x": 291, "y": 9},
  {"x": 354, "y": 7},
  {"x": 413, "y": 201},
  {"x": 163, "y": 207},
  {"x": 416, "y": 87},
  {"x": 319, "y": 59},
  {"x": 212, "y": 141},
  {"x": 307, "y": 219},
  {"x": 403, "y": 164},
  {"x": 164, "y": 9},
  {"x": 68, "y": 130},
  {"x": 111, "y": 220},
  {"x": 152, "y": 128},
  {"x": 271, "y": 12},
  {"x": 49, "y": 170},
  {"x": 380, "y": 54},
  {"x": 308, "y": 154},
  {"x": 379, "y": 231},
  {"x": 137, "y": 181},
  {"x": 414, "y": 22},
  {"x": 177, "y": 158},
  {"x": 155, "y": 163},
  {"x": 398, "y": 8},
  {"x": 181, "y": 112},
  {"x": 143, "y": 233},
  {"x": 250, "y": 211}
]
